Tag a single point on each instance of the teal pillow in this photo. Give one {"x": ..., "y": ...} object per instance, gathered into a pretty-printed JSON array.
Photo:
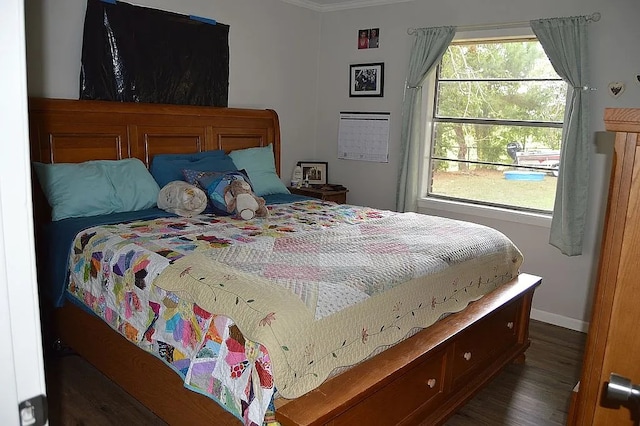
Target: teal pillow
[
  {"x": 134, "y": 186},
  {"x": 76, "y": 190},
  {"x": 96, "y": 187},
  {"x": 261, "y": 168}
]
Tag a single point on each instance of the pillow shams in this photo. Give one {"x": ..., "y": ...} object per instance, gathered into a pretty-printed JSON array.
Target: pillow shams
[
  {"x": 261, "y": 168},
  {"x": 166, "y": 168},
  {"x": 96, "y": 187}
]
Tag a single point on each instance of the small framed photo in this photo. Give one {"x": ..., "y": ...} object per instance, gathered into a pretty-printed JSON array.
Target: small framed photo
[
  {"x": 368, "y": 38},
  {"x": 314, "y": 172},
  {"x": 366, "y": 80}
]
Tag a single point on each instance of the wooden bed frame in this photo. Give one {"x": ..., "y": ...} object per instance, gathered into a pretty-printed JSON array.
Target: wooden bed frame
[{"x": 425, "y": 378}]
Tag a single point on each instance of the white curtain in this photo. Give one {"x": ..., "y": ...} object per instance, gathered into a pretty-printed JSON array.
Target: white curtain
[
  {"x": 428, "y": 47},
  {"x": 565, "y": 42}
]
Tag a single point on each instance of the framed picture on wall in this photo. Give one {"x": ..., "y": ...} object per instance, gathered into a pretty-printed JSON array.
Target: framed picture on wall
[
  {"x": 315, "y": 172},
  {"x": 366, "y": 80},
  {"x": 368, "y": 38}
]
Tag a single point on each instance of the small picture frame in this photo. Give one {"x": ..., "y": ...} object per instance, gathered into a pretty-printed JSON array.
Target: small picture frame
[
  {"x": 368, "y": 38},
  {"x": 366, "y": 80},
  {"x": 314, "y": 172}
]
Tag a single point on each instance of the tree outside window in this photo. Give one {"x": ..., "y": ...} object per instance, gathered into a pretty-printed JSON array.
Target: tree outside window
[{"x": 497, "y": 125}]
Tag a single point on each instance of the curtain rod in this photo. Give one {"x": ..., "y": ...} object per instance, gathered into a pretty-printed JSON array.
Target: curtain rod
[{"x": 594, "y": 17}]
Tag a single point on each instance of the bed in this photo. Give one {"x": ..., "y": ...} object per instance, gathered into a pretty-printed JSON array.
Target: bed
[{"x": 423, "y": 378}]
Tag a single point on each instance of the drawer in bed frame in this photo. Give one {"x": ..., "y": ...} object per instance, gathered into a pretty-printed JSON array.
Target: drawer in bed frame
[
  {"x": 422, "y": 387},
  {"x": 427, "y": 380},
  {"x": 428, "y": 384},
  {"x": 481, "y": 342}
]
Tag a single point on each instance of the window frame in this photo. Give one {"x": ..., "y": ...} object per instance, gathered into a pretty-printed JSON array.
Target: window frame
[{"x": 429, "y": 99}]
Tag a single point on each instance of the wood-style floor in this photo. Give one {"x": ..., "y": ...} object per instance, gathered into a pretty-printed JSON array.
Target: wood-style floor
[{"x": 535, "y": 393}]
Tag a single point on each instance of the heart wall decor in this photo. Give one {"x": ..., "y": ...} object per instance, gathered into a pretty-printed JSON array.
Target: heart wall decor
[
  {"x": 616, "y": 88},
  {"x": 637, "y": 79}
]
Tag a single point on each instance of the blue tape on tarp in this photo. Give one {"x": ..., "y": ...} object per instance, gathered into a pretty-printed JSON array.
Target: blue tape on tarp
[
  {"x": 109, "y": 1},
  {"x": 205, "y": 20}
]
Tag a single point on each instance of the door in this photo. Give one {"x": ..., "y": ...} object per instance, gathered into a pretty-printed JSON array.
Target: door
[
  {"x": 21, "y": 363},
  {"x": 613, "y": 342}
]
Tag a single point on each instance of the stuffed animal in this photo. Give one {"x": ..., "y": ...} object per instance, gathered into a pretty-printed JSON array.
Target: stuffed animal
[
  {"x": 241, "y": 200},
  {"x": 182, "y": 198}
]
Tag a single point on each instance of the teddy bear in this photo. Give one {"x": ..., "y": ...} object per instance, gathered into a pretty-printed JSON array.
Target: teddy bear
[{"x": 239, "y": 198}]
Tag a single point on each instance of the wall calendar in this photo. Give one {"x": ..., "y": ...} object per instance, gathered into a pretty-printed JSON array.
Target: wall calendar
[{"x": 364, "y": 136}]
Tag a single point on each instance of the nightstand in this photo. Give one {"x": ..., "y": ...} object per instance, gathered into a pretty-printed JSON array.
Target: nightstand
[{"x": 339, "y": 197}]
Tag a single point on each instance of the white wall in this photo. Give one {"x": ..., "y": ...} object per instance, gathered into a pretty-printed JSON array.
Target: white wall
[
  {"x": 564, "y": 297},
  {"x": 296, "y": 61},
  {"x": 273, "y": 49}
]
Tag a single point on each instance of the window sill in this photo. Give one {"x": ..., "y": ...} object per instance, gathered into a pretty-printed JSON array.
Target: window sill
[{"x": 528, "y": 218}]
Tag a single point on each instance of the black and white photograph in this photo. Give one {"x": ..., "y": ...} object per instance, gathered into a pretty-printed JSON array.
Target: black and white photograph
[
  {"x": 314, "y": 172},
  {"x": 366, "y": 80}
]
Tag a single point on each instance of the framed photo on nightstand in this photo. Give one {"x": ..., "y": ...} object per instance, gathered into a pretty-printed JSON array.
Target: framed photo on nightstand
[{"x": 314, "y": 172}]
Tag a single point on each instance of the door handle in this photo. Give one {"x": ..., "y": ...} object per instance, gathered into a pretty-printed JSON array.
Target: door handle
[{"x": 620, "y": 389}]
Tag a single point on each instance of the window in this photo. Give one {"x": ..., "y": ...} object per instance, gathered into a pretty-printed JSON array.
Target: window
[{"x": 496, "y": 126}]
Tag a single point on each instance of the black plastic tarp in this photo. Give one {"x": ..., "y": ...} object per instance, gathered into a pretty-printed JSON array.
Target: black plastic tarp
[{"x": 137, "y": 54}]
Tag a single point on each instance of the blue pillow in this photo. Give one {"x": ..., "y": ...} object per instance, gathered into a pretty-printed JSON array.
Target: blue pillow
[
  {"x": 168, "y": 167},
  {"x": 214, "y": 185},
  {"x": 96, "y": 187},
  {"x": 261, "y": 168}
]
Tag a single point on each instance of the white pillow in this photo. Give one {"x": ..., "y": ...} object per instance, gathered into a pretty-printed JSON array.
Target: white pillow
[{"x": 182, "y": 198}]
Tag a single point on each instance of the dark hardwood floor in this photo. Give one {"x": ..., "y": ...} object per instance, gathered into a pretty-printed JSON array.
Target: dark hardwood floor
[{"x": 535, "y": 393}]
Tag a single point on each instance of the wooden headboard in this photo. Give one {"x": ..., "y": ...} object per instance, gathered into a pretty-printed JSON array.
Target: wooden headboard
[{"x": 72, "y": 131}]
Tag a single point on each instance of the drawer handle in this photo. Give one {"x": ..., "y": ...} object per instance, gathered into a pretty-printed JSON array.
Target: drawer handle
[
  {"x": 431, "y": 383},
  {"x": 467, "y": 356},
  {"x": 510, "y": 325}
]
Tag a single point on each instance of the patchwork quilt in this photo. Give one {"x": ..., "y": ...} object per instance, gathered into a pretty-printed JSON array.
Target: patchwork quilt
[{"x": 242, "y": 308}]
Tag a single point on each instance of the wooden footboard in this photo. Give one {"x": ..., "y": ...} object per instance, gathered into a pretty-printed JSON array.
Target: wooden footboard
[{"x": 426, "y": 378}]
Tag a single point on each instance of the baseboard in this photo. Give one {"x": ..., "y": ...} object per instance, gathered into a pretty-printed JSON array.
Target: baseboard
[{"x": 559, "y": 320}]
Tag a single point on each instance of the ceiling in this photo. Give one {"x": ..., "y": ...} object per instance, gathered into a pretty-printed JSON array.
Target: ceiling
[{"x": 331, "y": 5}]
